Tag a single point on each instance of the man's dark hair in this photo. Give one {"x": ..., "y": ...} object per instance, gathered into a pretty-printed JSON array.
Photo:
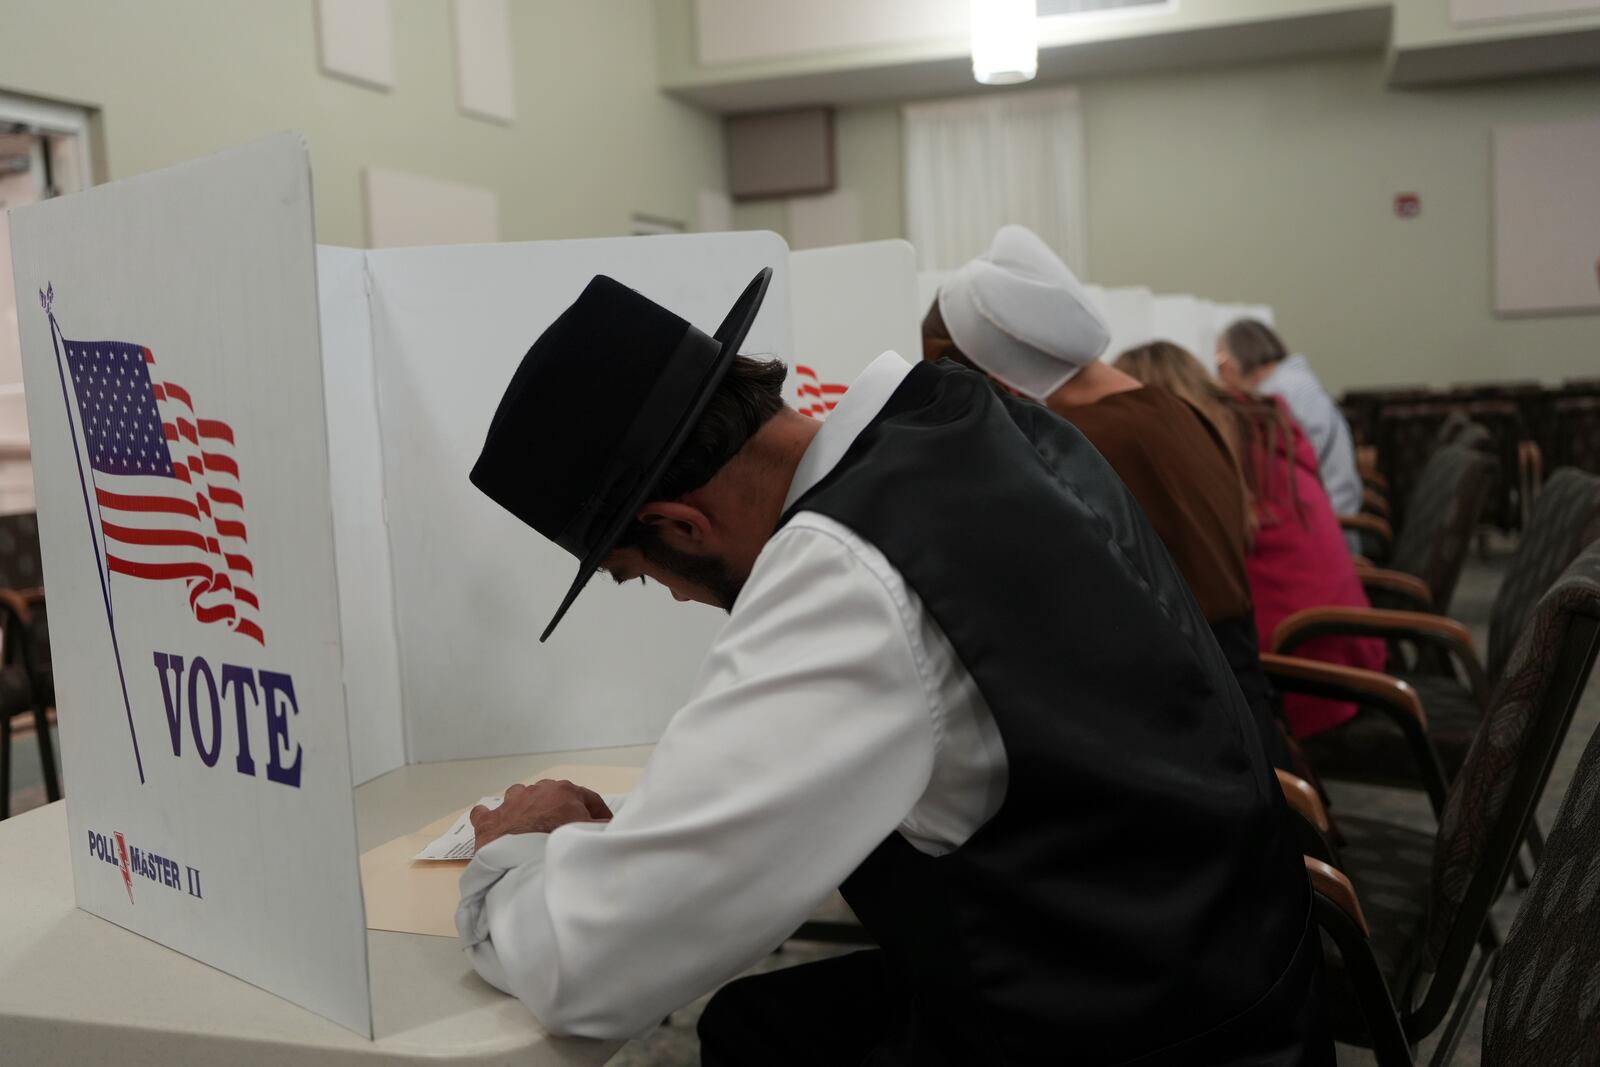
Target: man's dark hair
[{"x": 750, "y": 394}]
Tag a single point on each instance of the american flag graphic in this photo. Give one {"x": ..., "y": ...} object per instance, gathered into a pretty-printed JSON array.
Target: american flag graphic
[
  {"x": 166, "y": 484},
  {"x": 816, "y": 396}
]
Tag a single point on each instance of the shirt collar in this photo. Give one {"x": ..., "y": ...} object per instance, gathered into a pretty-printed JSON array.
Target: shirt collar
[{"x": 859, "y": 406}]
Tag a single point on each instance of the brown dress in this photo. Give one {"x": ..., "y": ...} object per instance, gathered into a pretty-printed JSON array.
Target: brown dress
[{"x": 1180, "y": 473}]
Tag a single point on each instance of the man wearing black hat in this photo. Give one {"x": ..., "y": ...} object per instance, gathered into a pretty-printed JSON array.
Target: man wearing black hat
[{"x": 961, "y": 680}]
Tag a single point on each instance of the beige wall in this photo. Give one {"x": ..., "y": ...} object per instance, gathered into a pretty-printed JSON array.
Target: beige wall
[
  {"x": 1275, "y": 184},
  {"x": 1428, "y": 22},
  {"x": 594, "y": 140}
]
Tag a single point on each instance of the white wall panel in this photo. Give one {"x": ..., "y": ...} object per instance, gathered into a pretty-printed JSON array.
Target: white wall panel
[
  {"x": 851, "y": 304},
  {"x": 356, "y": 38},
  {"x": 485, "y": 80}
]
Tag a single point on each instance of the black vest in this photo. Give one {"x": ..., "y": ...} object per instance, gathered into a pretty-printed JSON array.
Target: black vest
[{"x": 1137, "y": 893}]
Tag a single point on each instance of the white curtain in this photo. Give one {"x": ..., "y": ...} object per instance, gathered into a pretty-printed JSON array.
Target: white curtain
[{"x": 976, "y": 163}]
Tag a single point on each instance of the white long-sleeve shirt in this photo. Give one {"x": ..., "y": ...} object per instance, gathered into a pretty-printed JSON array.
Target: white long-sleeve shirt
[{"x": 830, "y": 712}]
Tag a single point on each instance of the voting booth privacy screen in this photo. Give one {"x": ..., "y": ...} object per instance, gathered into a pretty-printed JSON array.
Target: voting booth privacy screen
[
  {"x": 173, "y": 378},
  {"x": 473, "y": 586},
  {"x": 851, "y": 303},
  {"x": 269, "y": 576}
]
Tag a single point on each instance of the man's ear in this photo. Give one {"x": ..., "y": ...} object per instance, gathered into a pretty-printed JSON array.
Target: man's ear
[{"x": 679, "y": 525}]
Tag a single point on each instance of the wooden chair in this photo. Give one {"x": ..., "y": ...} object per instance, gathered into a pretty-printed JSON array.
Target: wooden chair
[
  {"x": 1530, "y": 478},
  {"x": 1435, "y": 533},
  {"x": 1418, "y": 907},
  {"x": 1369, "y": 748}
]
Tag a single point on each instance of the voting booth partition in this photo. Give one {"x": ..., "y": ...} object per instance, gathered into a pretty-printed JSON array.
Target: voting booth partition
[
  {"x": 175, "y": 402},
  {"x": 1136, "y": 316},
  {"x": 269, "y": 576},
  {"x": 850, "y": 304},
  {"x": 472, "y": 587}
]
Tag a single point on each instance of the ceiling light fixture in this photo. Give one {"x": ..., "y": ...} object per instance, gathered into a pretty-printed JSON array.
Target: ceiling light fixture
[{"x": 1005, "y": 41}]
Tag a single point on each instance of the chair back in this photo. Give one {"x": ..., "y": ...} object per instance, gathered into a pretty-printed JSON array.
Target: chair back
[
  {"x": 1542, "y": 1008},
  {"x": 1440, "y": 517},
  {"x": 1576, "y": 432},
  {"x": 1565, "y": 520},
  {"x": 20, "y": 566},
  {"x": 1408, "y": 435},
  {"x": 1492, "y": 799}
]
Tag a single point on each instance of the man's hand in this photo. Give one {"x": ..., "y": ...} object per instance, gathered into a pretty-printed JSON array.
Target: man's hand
[{"x": 538, "y": 809}]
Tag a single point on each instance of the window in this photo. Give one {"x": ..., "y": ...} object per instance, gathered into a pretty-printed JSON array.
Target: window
[{"x": 976, "y": 163}]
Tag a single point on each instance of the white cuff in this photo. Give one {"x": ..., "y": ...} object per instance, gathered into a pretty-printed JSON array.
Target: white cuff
[{"x": 486, "y": 869}]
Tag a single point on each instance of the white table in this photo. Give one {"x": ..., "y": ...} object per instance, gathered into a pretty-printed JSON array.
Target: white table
[{"x": 75, "y": 989}]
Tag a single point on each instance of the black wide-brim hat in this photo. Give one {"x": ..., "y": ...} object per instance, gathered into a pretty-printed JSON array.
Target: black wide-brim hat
[{"x": 596, "y": 411}]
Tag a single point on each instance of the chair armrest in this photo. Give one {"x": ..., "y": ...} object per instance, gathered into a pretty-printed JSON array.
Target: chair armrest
[
  {"x": 1369, "y": 523},
  {"x": 1338, "y": 912},
  {"x": 1389, "y": 696},
  {"x": 1436, "y": 630},
  {"x": 1407, "y": 586},
  {"x": 1370, "y": 526},
  {"x": 1330, "y": 882},
  {"x": 1304, "y": 801},
  {"x": 1373, "y": 688}
]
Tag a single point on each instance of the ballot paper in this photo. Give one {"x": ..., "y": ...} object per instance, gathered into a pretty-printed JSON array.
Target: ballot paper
[{"x": 458, "y": 842}]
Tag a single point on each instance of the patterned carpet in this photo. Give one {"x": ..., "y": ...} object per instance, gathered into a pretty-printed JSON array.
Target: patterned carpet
[{"x": 674, "y": 1044}]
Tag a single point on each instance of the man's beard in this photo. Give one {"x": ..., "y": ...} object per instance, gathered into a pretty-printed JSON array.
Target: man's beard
[{"x": 710, "y": 572}]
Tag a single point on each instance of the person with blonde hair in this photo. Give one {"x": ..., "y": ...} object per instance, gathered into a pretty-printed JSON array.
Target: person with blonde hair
[{"x": 1297, "y": 557}]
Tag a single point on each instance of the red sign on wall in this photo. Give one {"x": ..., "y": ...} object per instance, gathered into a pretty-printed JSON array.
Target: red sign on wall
[{"x": 1407, "y": 205}]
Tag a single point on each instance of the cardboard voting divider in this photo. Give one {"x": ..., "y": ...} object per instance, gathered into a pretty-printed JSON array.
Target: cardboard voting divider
[
  {"x": 1126, "y": 311},
  {"x": 472, "y": 586},
  {"x": 851, "y": 303},
  {"x": 174, "y": 388}
]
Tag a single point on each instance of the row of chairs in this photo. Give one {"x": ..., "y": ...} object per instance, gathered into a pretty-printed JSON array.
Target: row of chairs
[
  {"x": 1405, "y": 426},
  {"x": 1406, "y": 913}
]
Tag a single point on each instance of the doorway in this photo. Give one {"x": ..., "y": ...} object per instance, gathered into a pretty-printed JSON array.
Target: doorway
[{"x": 44, "y": 152}]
